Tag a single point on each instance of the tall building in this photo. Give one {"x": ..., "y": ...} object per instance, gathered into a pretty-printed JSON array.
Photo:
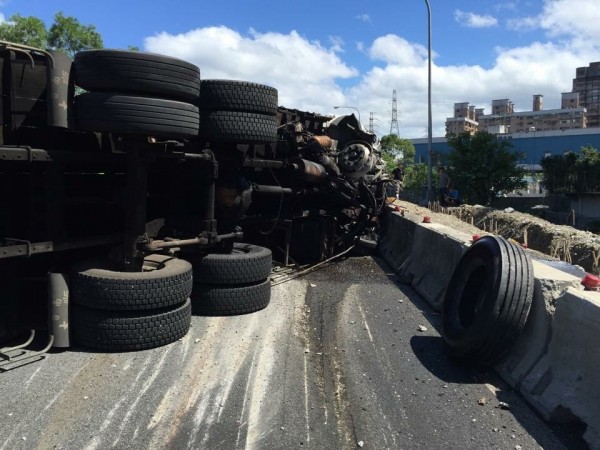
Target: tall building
[
  {"x": 504, "y": 119},
  {"x": 464, "y": 119},
  {"x": 587, "y": 84}
]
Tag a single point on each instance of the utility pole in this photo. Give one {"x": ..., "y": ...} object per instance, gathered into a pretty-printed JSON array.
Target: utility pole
[
  {"x": 394, "y": 122},
  {"x": 371, "y": 129},
  {"x": 430, "y": 194}
]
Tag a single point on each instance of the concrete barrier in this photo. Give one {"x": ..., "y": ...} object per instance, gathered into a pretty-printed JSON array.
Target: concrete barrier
[
  {"x": 564, "y": 383},
  {"x": 423, "y": 254},
  {"x": 436, "y": 250},
  {"x": 554, "y": 362},
  {"x": 532, "y": 344}
]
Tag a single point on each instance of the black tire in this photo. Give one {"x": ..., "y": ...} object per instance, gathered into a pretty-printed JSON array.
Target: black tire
[
  {"x": 246, "y": 263},
  {"x": 165, "y": 281},
  {"x": 123, "y": 114},
  {"x": 230, "y": 95},
  {"x": 487, "y": 301},
  {"x": 137, "y": 73},
  {"x": 238, "y": 127},
  {"x": 126, "y": 331},
  {"x": 217, "y": 300}
]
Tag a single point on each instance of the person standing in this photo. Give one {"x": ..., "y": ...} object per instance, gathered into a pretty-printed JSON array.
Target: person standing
[
  {"x": 398, "y": 174},
  {"x": 443, "y": 185}
]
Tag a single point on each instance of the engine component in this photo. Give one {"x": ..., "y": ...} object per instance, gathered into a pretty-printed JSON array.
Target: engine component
[
  {"x": 356, "y": 160},
  {"x": 309, "y": 171}
]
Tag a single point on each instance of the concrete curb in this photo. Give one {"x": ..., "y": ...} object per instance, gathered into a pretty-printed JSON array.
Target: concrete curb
[{"x": 554, "y": 362}]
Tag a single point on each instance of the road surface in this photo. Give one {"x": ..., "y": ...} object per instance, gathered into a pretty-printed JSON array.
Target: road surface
[{"x": 342, "y": 358}]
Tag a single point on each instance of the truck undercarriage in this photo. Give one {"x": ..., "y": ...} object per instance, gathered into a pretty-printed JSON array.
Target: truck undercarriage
[{"x": 126, "y": 180}]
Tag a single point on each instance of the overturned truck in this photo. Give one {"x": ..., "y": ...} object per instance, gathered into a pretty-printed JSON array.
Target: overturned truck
[{"x": 134, "y": 193}]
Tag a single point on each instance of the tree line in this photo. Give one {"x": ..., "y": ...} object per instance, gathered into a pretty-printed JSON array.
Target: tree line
[
  {"x": 572, "y": 172},
  {"x": 66, "y": 33}
]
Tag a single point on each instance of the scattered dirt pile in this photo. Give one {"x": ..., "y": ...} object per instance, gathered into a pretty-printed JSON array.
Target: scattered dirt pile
[{"x": 563, "y": 242}]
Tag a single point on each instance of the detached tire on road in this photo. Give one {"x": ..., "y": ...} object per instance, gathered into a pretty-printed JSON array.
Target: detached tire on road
[
  {"x": 125, "y": 114},
  {"x": 165, "y": 281},
  {"x": 487, "y": 301},
  {"x": 218, "y": 300},
  {"x": 241, "y": 96},
  {"x": 137, "y": 73},
  {"x": 126, "y": 331},
  {"x": 237, "y": 127},
  {"x": 247, "y": 263}
]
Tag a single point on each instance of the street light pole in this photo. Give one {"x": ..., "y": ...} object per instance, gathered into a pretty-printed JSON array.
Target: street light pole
[
  {"x": 429, "y": 120},
  {"x": 350, "y": 107}
]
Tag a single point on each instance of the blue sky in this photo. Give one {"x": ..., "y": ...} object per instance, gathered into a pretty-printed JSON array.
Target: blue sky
[{"x": 322, "y": 54}]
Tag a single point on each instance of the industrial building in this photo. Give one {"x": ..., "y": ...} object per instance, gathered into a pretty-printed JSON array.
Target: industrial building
[{"x": 533, "y": 145}]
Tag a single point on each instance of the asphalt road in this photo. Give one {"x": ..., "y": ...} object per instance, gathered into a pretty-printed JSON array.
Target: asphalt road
[{"x": 337, "y": 361}]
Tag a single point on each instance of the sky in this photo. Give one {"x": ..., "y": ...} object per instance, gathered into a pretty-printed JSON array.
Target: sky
[{"x": 355, "y": 54}]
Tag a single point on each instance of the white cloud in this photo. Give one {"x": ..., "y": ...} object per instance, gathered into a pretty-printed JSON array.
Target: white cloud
[
  {"x": 507, "y": 6},
  {"x": 337, "y": 44},
  {"x": 566, "y": 18},
  {"x": 394, "y": 49},
  {"x": 364, "y": 18},
  {"x": 312, "y": 76},
  {"x": 571, "y": 18},
  {"x": 472, "y": 20},
  {"x": 304, "y": 72}
]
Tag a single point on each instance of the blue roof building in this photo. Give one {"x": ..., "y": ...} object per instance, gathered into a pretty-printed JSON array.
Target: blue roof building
[{"x": 534, "y": 145}]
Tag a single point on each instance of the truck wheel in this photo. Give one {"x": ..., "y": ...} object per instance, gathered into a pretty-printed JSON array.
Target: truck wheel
[
  {"x": 165, "y": 281},
  {"x": 487, "y": 300},
  {"x": 246, "y": 263},
  {"x": 116, "y": 113},
  {"x": 126, "y": 331},
  {"x": 137, "y": 73},
  {"x": 217, "y": 300},
  {"x": 238, "y": 127},
  {"x": 229, "y": 95}
]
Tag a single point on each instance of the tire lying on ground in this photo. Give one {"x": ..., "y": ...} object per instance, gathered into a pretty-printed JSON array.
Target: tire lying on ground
[
  {"x": 132, "y": 330},
  {"x": 137, "y": 73},
  {"x": 247, "y": 263},
  {"x": 164, "y": 281},
  {"x": 219, "y": 300},
  {"x": 241, "y": 96},
  {"x": 125, "y": 114},
  {"x": 237, "y": 127},
  {"x": 487, "y": 301}
]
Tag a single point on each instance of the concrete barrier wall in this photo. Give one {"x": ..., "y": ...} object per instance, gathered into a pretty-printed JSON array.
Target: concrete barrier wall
[
  {"x": 555, "y": 361},
  {"x": 564, "y": 382}
]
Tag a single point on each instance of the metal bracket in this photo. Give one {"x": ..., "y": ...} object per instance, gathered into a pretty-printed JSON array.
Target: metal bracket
[
  {"x": 6, "y": 358},
  {"x": 21, "y": 241}
]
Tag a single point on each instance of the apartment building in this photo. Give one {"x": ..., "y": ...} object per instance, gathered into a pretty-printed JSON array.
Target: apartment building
[
  {"x": 587, "y": 85},
  {"x": 504, "y": 119},
  {"x": 579, "y": 108}
]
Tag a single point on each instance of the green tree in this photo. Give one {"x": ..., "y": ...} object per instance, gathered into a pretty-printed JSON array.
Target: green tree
[
  {"x": 65, "y": 34},
  {"x": 481, "y": 166},
  {"x": 70, "y": 36},
  {"x": 29, "y": 31},
  {"x": 390, "y": 162},
  {"x": 398, "y": 148},
  {"x": 415, "y": 177},
  {"x": 572, "y": 172}
]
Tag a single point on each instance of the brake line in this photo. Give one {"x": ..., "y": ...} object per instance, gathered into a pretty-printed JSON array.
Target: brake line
[{"x": 311, "y": 268}]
